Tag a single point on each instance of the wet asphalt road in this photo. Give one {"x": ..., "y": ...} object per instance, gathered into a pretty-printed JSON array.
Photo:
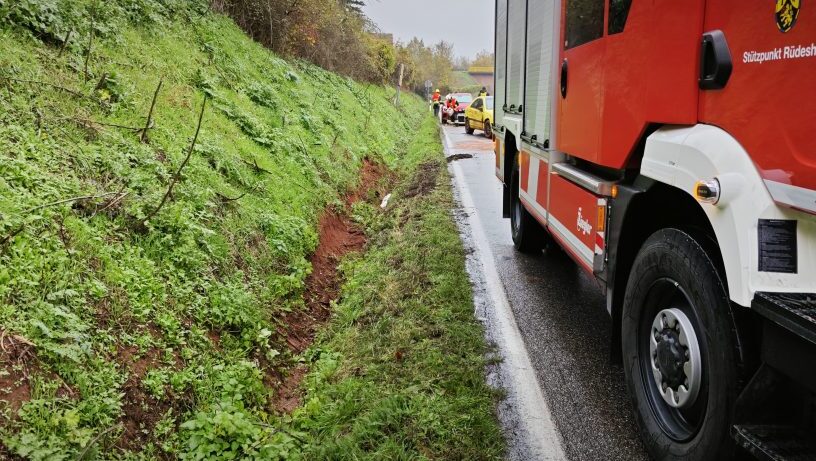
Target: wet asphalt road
[{"x": 561, "y": 314}]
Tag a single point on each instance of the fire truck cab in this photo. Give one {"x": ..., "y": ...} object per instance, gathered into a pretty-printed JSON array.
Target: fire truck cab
[{"x": 667, "y": 146}]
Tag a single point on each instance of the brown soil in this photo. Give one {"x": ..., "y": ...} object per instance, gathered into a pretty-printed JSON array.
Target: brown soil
[
  {"x": 140, "y": 411},
  {"x": 287, "y": 396},
  {"x": 7, "y": 455},
  {"x": 18, "y": 362},
  {"x": 16, "y": 365},
  {"x": 424, "y": 180},
  {"x": 337, "y": 236},
  {"x": 371, "y": 177},
  {"x": 455, "y": 157},
  {"x": 215, "y": 339}
]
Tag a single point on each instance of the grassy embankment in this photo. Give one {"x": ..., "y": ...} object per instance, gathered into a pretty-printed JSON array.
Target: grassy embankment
[
  {"x": 130, "y": 330},
  {"x": 401, "y": 368}
]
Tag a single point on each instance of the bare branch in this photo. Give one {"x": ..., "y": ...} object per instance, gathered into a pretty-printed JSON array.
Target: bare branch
[
  {"x": 102, "y": 81},
  {"x": 68, "y": 200},
  {"x": 183, "y": 164},
  {"x": 89, "y": 122},
  {"x": 225, "y": 199},
  {"x": 11, "y": 235},
  {"x": 88, "y": 53},
  {"x": 65, "y": 42},
  {"x": 143, "y": 137},
  {"x": 38, "y": 82},
  {"x": 93, "y": 442}
]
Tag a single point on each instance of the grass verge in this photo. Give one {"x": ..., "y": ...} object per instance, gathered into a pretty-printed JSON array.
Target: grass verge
[{"x": 399, "y": 372}]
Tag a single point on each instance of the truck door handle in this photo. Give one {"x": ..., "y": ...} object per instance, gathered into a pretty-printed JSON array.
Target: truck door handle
[
  {"x": 564, "y": 79},
  {"x": 715, "y": 61}
]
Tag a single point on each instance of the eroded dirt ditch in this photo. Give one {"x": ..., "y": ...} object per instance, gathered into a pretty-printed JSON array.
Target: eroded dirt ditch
[{"x": 338, "y": 236}]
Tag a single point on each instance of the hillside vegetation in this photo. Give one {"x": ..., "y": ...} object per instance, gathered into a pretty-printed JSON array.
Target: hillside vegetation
[
  {"x": 333, "y": 34},
  {"x": 141, "y": 294},
  {"x": 399, "y": 372}
]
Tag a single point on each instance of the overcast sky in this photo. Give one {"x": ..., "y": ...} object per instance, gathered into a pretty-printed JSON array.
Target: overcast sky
[{"x": 468, "y": 24}]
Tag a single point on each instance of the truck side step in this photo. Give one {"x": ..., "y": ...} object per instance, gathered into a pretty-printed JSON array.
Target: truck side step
[
  {"x": 796, "y": 312},
  {"x": 775, "y": 443}
]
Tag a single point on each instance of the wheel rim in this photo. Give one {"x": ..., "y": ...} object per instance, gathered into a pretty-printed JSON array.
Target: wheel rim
[
  {"x": 675, "y": 358},
  {"x": 671, "y": 360},
  {"x": 488, "y": 129}
]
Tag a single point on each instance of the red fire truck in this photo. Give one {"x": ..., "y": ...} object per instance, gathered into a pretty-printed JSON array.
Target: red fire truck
[{"x": 669, "y": 147}]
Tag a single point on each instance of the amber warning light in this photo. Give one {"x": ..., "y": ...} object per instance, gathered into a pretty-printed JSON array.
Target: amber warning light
[{"x": 707, "y": 191}]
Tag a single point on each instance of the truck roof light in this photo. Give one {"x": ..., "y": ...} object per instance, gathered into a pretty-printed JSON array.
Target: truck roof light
[{"x": 707, "y": 191}]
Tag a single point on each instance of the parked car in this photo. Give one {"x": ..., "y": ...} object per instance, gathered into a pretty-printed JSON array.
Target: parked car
[
  {"x": 458, "y": 116},
  {"x": 479, "y": 116}
]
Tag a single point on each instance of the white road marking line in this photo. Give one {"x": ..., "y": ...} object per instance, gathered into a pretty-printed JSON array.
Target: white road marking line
[{"x": 534, "y": 413}]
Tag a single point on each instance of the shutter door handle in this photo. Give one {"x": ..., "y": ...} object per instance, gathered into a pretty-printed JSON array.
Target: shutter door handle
[
  {"x": 564, "y": 78},
  {"x": 715, "y": 61}
]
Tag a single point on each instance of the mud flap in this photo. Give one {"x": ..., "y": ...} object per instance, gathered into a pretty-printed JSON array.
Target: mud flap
[{"x": 505, "y": 201}]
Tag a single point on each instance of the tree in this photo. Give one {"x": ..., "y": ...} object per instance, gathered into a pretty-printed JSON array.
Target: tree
[
  {"x": 483, "y": 58},
  {"x": 335, "y": 35},
  {"x": 461, "y": 63},
  {"x": 434, "y": 63},
  {"x": 383, "y": 59}
]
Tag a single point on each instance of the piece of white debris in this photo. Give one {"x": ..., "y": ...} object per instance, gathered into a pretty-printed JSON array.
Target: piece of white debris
[{"x": 385, "y": 201}]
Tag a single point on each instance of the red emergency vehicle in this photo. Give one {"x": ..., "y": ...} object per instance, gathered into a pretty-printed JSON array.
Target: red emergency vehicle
[{"x": 668, "y": 147}]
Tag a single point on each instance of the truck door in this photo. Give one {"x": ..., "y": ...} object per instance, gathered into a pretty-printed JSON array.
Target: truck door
[
  {"x": 581, "y": 78},
  {"x": 767, "y": 102}
]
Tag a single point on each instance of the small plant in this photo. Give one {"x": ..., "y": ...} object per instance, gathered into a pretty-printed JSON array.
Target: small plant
[{"x": 229, "y": 431}]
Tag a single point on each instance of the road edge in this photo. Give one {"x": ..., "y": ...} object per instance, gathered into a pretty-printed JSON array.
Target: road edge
[{"x": 526, "y": 420}]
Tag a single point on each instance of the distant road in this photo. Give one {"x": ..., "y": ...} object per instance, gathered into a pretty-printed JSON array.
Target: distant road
[{"x": 560, "y": 314}]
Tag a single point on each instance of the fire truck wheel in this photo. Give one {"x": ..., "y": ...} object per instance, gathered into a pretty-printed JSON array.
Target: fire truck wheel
[
  {"x": 679, "y": 350},
  {"x": 468, "y": 129},
  {"x": 526, "y": 231}
]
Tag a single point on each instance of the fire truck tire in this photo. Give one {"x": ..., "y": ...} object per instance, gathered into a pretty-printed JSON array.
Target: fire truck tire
[
  {"x": 468, "y": 129},
  {"x": 527, "y": 233},
  {"x": 679, "y": 352}
]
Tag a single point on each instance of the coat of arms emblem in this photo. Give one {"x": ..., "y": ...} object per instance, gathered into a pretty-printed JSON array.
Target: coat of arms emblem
[{"x": 786, "y": 13}]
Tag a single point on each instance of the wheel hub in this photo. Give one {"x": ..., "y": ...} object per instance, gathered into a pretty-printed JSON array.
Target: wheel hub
[
  {"x": 671, "y": 357},
  {"x": 675, "y": 358}
]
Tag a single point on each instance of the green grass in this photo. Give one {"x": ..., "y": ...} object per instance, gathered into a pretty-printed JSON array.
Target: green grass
[
  {"x": 400, "y": 371},
  {"x": 131, "y": 341},
  {"x": 461, "y": 79}
]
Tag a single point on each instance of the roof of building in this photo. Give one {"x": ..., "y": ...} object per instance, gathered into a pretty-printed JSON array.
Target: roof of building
[{"x": 480, "y": 70}]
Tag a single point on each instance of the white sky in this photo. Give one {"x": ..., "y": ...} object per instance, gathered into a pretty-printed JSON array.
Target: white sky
[{"x": 468, "y": 24}]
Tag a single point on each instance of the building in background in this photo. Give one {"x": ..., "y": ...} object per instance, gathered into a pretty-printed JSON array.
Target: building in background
[{"x": 483, "y": 76}]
